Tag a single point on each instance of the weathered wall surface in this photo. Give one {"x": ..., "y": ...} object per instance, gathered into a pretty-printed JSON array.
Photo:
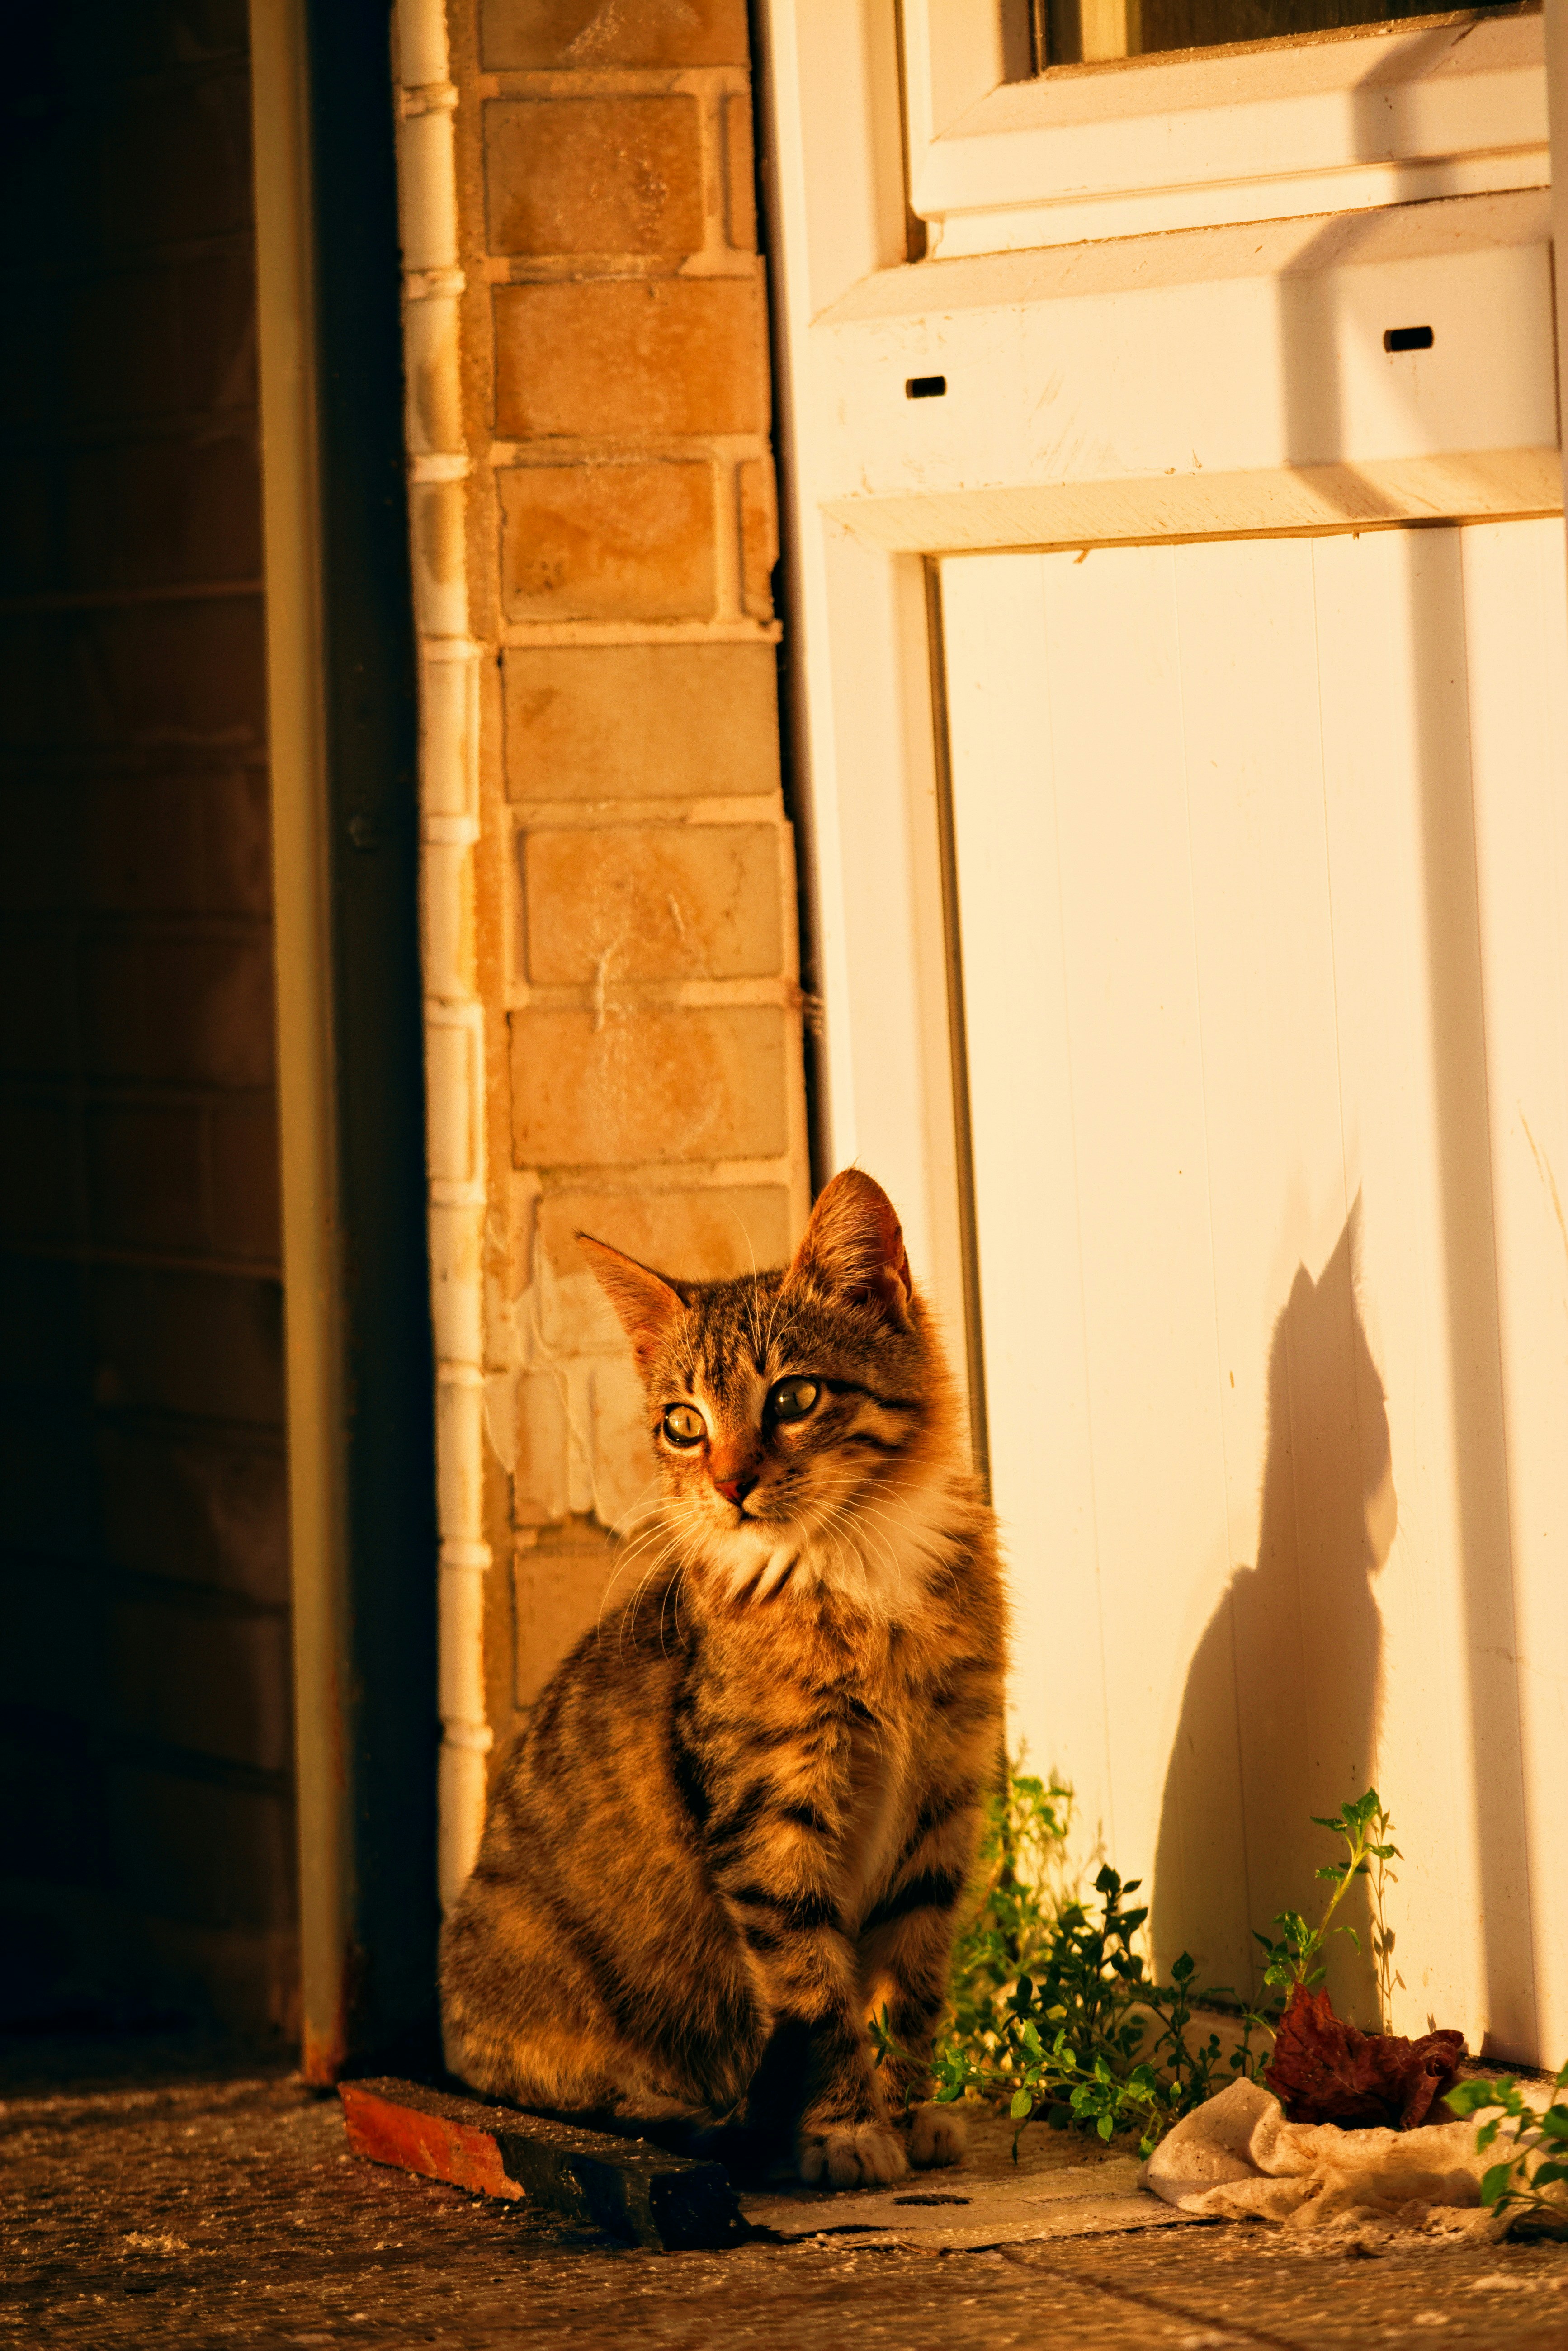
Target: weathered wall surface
[
  {"x": 625, "y": 926},
  {"x": 144, "y": 1672}
]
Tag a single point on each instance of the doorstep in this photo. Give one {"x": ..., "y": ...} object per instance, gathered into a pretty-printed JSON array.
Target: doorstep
[{"x": 1060, "y": 2185}]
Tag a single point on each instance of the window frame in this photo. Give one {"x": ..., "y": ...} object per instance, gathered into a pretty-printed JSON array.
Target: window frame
[{"x": 1374, "y": 115}]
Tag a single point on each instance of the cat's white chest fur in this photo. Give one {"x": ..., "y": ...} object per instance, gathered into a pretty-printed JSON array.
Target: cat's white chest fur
[{"x": 881, "y": 1554}]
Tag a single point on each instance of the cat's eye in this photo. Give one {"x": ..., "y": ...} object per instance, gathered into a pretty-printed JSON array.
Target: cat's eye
[
  {"x": 683, "y": 1425},
  {"x": 793, "y": 1399}
]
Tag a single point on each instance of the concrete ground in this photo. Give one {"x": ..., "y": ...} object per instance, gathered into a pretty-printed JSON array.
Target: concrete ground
[{"x": 223, "y": 2210}]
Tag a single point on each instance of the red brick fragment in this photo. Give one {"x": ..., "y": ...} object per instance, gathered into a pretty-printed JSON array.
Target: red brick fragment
[
  {"x": 388, "y": 2130},
  {"x": 633, "y": 2190}
]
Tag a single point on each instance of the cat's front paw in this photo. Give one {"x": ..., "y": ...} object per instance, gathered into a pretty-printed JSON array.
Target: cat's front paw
[
  {"x": 933, "y": 2135},
  {"x": 851, "y": 2155}
]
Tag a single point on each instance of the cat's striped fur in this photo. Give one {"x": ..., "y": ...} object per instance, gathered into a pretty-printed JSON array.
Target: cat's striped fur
[{"x": 744, "y": 1812}]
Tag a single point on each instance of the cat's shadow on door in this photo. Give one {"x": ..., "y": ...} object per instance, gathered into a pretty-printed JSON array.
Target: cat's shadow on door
[{"x": 1279, "y": 1712}]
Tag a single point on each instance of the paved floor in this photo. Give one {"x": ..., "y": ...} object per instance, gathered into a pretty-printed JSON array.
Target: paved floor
[{"x": 229, "y": 2213}]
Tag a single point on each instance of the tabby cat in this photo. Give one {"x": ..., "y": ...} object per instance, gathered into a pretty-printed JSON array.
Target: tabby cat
[{"x": 742, "y": 1815}]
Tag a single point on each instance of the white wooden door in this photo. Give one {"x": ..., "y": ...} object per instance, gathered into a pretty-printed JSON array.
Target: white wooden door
[
  {"x": 1215, "y": 1048},
  {"x": 1262, "y": 854}
]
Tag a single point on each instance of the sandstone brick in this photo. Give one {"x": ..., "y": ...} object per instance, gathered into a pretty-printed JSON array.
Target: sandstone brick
[
  {"x": 540, "y": 1478},
  {"x": 31, "y": 557},
  {"x": 216, "y": 1684},
  {"x": 625, "y": 1475},
  {"x": 657, "y": 1085},
  {"x": 528, "y": 36},
  {"x": 608, "y": 542},
  {"x": 184, "y": 844},
  {"x": 176, "y": 162},
  {"x": 147, "y": 1176},
  {"x": 759, "y": 535},
  {"x": 236, "y": 841},
  {"x": 51, "y": 1657},
  {"x": 209, "y": 1009},
  {"x": 217, "y": 302},
  {"x": 27, "y": 389},
  {"x": 210, "y": 1345},
  {"x": 37, "y": 1189},
  {"x": 202, "y": 1510},
  {"x": 58, "y": 1832},
  {"x": 655, "y": 902},
  {"x": 211, "y": 1855},
  {"x": 45, "y": 1342},
  {"x": 246, "y": 1211},
  {"x": 595, "y": 176},
  {"x": 140, "y": 842},
  {"x": 40, "y": 823},
  {"x": 190, "y": 1010},
  {"x": 126, "y": 41},
  {"x": 46, "y": 1475},
  {"x": 38, "y": 1009},
  {"x": 702, "y": 1236},
  {"x": 557, "y": 1589},
  {"x": 120, "y": 346},
  {"x": 739, "y": 175},
  {"x": 161, "y": 512},
  {"x": 631, "y": 357},
  {"x": 176, "y": 672},
  {"x": 641, "y": 722}
]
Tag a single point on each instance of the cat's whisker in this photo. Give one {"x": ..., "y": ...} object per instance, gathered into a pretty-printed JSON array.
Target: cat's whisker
[
  {"x": 628, "y": 1617},
  {"x": 629, "y": 1613},
  {"x": 626, "y": 1555},
  {"x": 631, "y": 1542}
]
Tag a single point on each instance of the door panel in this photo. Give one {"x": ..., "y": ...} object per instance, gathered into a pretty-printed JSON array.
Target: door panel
[{"x": 1257, "y": 851}]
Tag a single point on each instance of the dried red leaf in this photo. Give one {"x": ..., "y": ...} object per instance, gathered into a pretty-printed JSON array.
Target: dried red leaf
[{"x": 1324, "y": 2071}]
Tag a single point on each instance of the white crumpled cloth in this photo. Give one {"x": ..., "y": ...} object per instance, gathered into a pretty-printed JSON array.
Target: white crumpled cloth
[{"x": 1236, "y": 2157}]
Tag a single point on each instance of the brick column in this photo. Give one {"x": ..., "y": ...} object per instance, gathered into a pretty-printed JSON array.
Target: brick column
[{"x": 635, "y": 928}]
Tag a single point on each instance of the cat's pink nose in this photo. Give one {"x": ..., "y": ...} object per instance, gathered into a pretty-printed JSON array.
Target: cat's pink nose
[{"x": 733, "y": 1489}]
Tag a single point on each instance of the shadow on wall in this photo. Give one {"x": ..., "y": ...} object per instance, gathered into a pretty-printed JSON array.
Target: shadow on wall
[{"x": 1279, "y": 1713}]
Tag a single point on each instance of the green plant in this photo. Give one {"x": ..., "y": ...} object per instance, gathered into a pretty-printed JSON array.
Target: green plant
[
  {"x": 1053, "y": 2012},
  {"x": 1534, "y": 2145},
  {"x": 1299, "y": 1957}
]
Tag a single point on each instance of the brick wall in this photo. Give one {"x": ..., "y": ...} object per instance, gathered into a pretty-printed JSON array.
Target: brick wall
[
  {"x": 634, "y": 939},
  {"x": 144, "y": 1672}
]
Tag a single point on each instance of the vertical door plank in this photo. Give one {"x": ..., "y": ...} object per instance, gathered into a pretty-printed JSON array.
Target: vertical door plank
[
  {"x": 1391, "y": 640},
  {"x": 1114, "y": 712},
  {"x": 1021, "y": 1087},
  {"x": 1299, "y": 1608},
  {"x": 1517, "y": 670}
]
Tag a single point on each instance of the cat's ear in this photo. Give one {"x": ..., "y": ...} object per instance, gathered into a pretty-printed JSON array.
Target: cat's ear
[
  {"x": 646, "y": 1303},
  {"x": 854, "y": 1246}
]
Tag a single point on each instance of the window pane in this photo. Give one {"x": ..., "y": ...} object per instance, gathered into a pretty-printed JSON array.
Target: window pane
[{"x": 1085, "y": 32}]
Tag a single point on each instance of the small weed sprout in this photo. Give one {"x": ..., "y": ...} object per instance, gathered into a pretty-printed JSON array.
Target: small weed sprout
[
  {"x": 1299, "y": 1958},
  {"x": 1533, "y": 2147}
]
